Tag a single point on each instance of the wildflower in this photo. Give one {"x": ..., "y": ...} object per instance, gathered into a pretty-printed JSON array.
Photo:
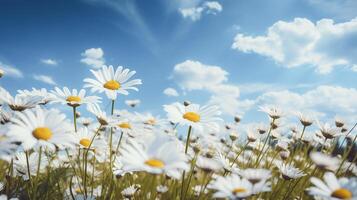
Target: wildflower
[
  {"x": 273, "y": 112},
  {"x": 156, "y": 155},
  {"x": 130, "y": 191},
  {"x": 327, "y": 131},
  {"x": 289, "y": 172},
  {"x": 332, "y": 188},
  {"x": 233, "y": 187},
  {"x": 85, "y": 121},
  {"x": 45, "y": 97},
  {"x": 19, "y": 102},
  {"x": 112, "y": 82},
  {"x": 101, "y": 116},
  {"x": 162, "y": 189},
  {"x": 1, "y": 73},
  {"x": 200, "y": 118},
  {"x": 255, "y": 175},
  {"x": 339, "y": 122},
  {"x": 304, "y": 119},
  {"x": 237, "y": 118},
  {"x": 324, "y": 161},
  {"x": 73, "y": 98},
  {"x": 39, "y": 127}
]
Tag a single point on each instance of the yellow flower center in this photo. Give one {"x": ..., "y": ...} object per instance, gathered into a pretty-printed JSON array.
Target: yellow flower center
[
  {"x": 192, "y": 116},
  {"x": 238, "y": 190},
  {"x": 112, "y": 85},
  {"x": 85, "y": 142},
  {"x": 155, "y": 163},
  {"x": 42, "y": 133},
  {"x": 125, "y": 125},
  {"x": 73, "y": 99},
  {"x": 342, "y": 193}
]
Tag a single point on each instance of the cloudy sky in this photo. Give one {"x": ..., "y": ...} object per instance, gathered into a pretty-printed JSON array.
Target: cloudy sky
[{"x": 239, "y": 54}]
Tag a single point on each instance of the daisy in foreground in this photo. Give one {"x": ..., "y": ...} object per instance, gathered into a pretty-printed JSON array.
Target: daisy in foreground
[
  {"x": 73, "y": 98},
  {"x": 332, "y": 188},
  {"x": 157, "y": 155},
  {"x": 233, "y": 187},
  {"x": 198, "y": 117},
  {"x": 112, "y": 82},
  {"x": 39, "y": 127}
]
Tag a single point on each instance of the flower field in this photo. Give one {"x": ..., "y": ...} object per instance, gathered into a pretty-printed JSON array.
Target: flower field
[{"x": 105, "y": 152}]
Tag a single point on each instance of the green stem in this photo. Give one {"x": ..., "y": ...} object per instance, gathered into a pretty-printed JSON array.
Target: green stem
[
  {"x": 186, "y": 149},
  {"x": 75, "y": 118},
  {"x": 266, "y": 140}
]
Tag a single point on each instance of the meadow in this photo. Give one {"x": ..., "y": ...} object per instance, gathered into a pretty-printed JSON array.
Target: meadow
[{"x": 191, "y": 153}]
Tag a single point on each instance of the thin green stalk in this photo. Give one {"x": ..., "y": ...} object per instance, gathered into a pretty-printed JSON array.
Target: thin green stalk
[
  {"x": 346, "y": 154},
  {"x": 265, "y": 142},
  {"x": 75, "y": 118},
  {"x": 186, "y": 149},
  {"x": 235, "y": 159}
]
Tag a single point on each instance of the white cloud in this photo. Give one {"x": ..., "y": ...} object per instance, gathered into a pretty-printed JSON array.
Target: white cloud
[
  {"x": 342, "y": 9},
  {"x": 194, "y": 12},
  {"x": 302, "y": 42},
  {"x": 193, "y": 75},
  {"x": 354, "y": 68},
  {"x": 321, "y": 100},
  {"x": 45, "y": 79},
  {"x": 171, "y": 92},
  {"x": 49, "y": 61},
  {"x": 11, "y": 71},
  {"x": 93, "y": 57}
]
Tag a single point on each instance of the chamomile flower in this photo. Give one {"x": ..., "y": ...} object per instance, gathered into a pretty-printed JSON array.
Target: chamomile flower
[
  {"x": 39, "y": 127},
  {"x": 42, "y": 93},
  {"x": 158, "y": 154},
  {"x": 231, "y": 187},
  {"x": 324, "y": 161},
  {"x": 331, "y": 188},
  {"x": 289, "y": 172},
  {"x": 19, "y": 102},
  {"x": 101, "y": 116},
  {"x": 130, "y": 191},
  {"x": 200, "y": 118},
  {"x": 255, "y": 175},
  {"x": 73, "y": 98},
  {"x": 305, "y": 120},
  {"x": 328, "y": 131},
  {"x": 273, "y": 112},
  {"x": 112, "y": 82}
]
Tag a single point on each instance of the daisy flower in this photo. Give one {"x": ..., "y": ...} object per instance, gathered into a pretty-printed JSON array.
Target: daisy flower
[
  {"x": 331, "y": 188},
  {"x": 112, "y": 82},
  {"x": 273, "y": 112},
  {"x": 289, "y": 172},
  {"x": 39, "y": 127},
  {"x": 101, "y": 116},
  {"x": 231, "y": 187},
  {"x": 19, "y": 102},
  {"x": 324, "y": 161},
  {"x": 255, "y": 175},
  {"x": 200, "y": 118},
  {"x": 158, "y": 154},
  {"x": 73, "y": 98},
  {"x": 208, "y": 164},
  {"x": 132, "y": 103},
  {"x": 305, "y": 120},
  {"x": 328, "y": 131},
  {"x": 42, "y": 93},
  {"x": 130, "y": 191}
]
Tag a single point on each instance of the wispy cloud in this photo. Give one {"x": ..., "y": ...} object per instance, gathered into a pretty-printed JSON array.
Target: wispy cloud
[
  {"x": 195, "y": 12},
  {"x": 45, "y": 79},
  {"x": 171, "y": 92},
  {"x": 94, "y": 57},
  {"x": 49, "y": 61},
  {"x": 11, "y": 71}
]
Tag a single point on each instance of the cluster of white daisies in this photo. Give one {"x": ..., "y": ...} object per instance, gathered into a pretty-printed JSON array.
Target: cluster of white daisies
[{"x": 191, "y": 154}]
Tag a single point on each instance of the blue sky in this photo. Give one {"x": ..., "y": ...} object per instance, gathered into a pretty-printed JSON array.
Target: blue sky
[{"x": 234, "y": 53}]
